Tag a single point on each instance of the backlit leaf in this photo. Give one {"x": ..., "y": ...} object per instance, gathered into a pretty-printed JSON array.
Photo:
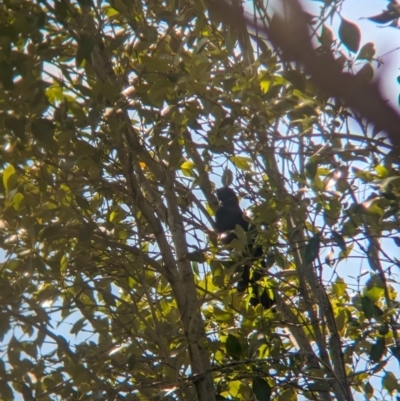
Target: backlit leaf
[
  {"x": 9, "y": 178},
  {"x": 390, "y": 382},
  {"x": 240, "y": 162},
  {"x": 367, "y": 52},
  {"x": 350, "y": 35}
]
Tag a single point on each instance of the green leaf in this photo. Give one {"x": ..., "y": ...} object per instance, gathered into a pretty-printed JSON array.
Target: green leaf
[
  {"x": 233, "y": 347},
  {"x": 196, "y": 256},
  {"x": 368, "y": 307},
  {"x": 108, "y": 297},
  {"x": 61, "y": 9},
  {"x": 396, "y": 352},
  {"x": 339, "y": 240},
  {"x": 9, "y": 178},
  {"x": 223, "y": 316},
  {"x": 326, "y": 38},
  {"x": 4, "y": 327},
  {"x": 105, "y": 89},
  {"x": 390, "y": 382},
  {"x": 43, "y": 130},
  {"x": 368, "y": 390},
  {"x": 6, "y": 392},
  {"x": 82, "y": 202},
  {"x": 264, "y": 85},
  {"x": 374, "y": 288},
  {"x": 377, "y": 350},
  {"x": 341, "y": 319},
  {"x": 312, "y": 249},
  {"x": 345, "y": 254},
  {"x": 84, "y": 50},
  {"x": 350, "y": 35},
  {"x": 6, "y": 75},
  {"x": 132, "y": 362},
  {"x": 159, "y": 90},
  {"x": 175, "y": 154},
  {"x": 217, "y": 271},
  {"x": 49, "y": 232},
  {"x": 17, "y": 126},
  {"x": 339, "y": 287},
  {"x": 383, "y": 329},
  {"x": 261, "y": 389},
  {"x": 311, "y": 168},
  {"x": 332, "y": 211},
  {"x": 240, "y": 162},
  {"x": 187, "y": 168},
  {"x": 200, "y": 45},
  {"x": 288, "y": 395},
  {"x": 18, "y": 201}
]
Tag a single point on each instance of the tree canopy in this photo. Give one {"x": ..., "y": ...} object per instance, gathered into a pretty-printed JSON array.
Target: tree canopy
[{"x": 118, "y": 121}]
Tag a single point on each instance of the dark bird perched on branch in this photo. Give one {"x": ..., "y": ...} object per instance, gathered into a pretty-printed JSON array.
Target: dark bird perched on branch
[{"x": 227, "y": 217}]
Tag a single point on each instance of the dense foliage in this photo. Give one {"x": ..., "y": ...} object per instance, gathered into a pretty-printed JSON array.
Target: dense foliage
[{"x": 118, "y": 120}]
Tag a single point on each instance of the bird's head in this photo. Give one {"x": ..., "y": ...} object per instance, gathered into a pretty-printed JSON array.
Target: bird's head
[{"x": 227, "y": 195}]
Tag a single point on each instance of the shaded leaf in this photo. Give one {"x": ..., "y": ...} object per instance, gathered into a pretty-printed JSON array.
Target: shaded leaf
[
  {"x": 366, "y": 73},
  {"x": 312, "y": 248},
  {"x": 377, "y": 350},
  {"x": 78, "y": 326},
  {"x": 288, "y": 395},
  {"x": 326, "y": 38},
  {"x": 383, "y": 329},
  {"x": 396, "y": 352},
  {"x": 311, "y": 169},
  {"x": 340, "y": 242},
  {"x": 84, "y": 50},
  {"x": 350, "y": 35},
  {"x": 200, "y": 45},
  {"x": 196, "y": 256},
  {"x": 6, "y": 392},
  {"x": 233, "y": 347},
  {"x": 82, "y": 202},
  {"x": 385, "y": 17},
  {"x": 6, "y": 75},
  {"x": 367, "y": 307},
  {"x": 261, "y": 389},
  {"x": 17, "y": 126},
  {"x": 43, "y": 130}
]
